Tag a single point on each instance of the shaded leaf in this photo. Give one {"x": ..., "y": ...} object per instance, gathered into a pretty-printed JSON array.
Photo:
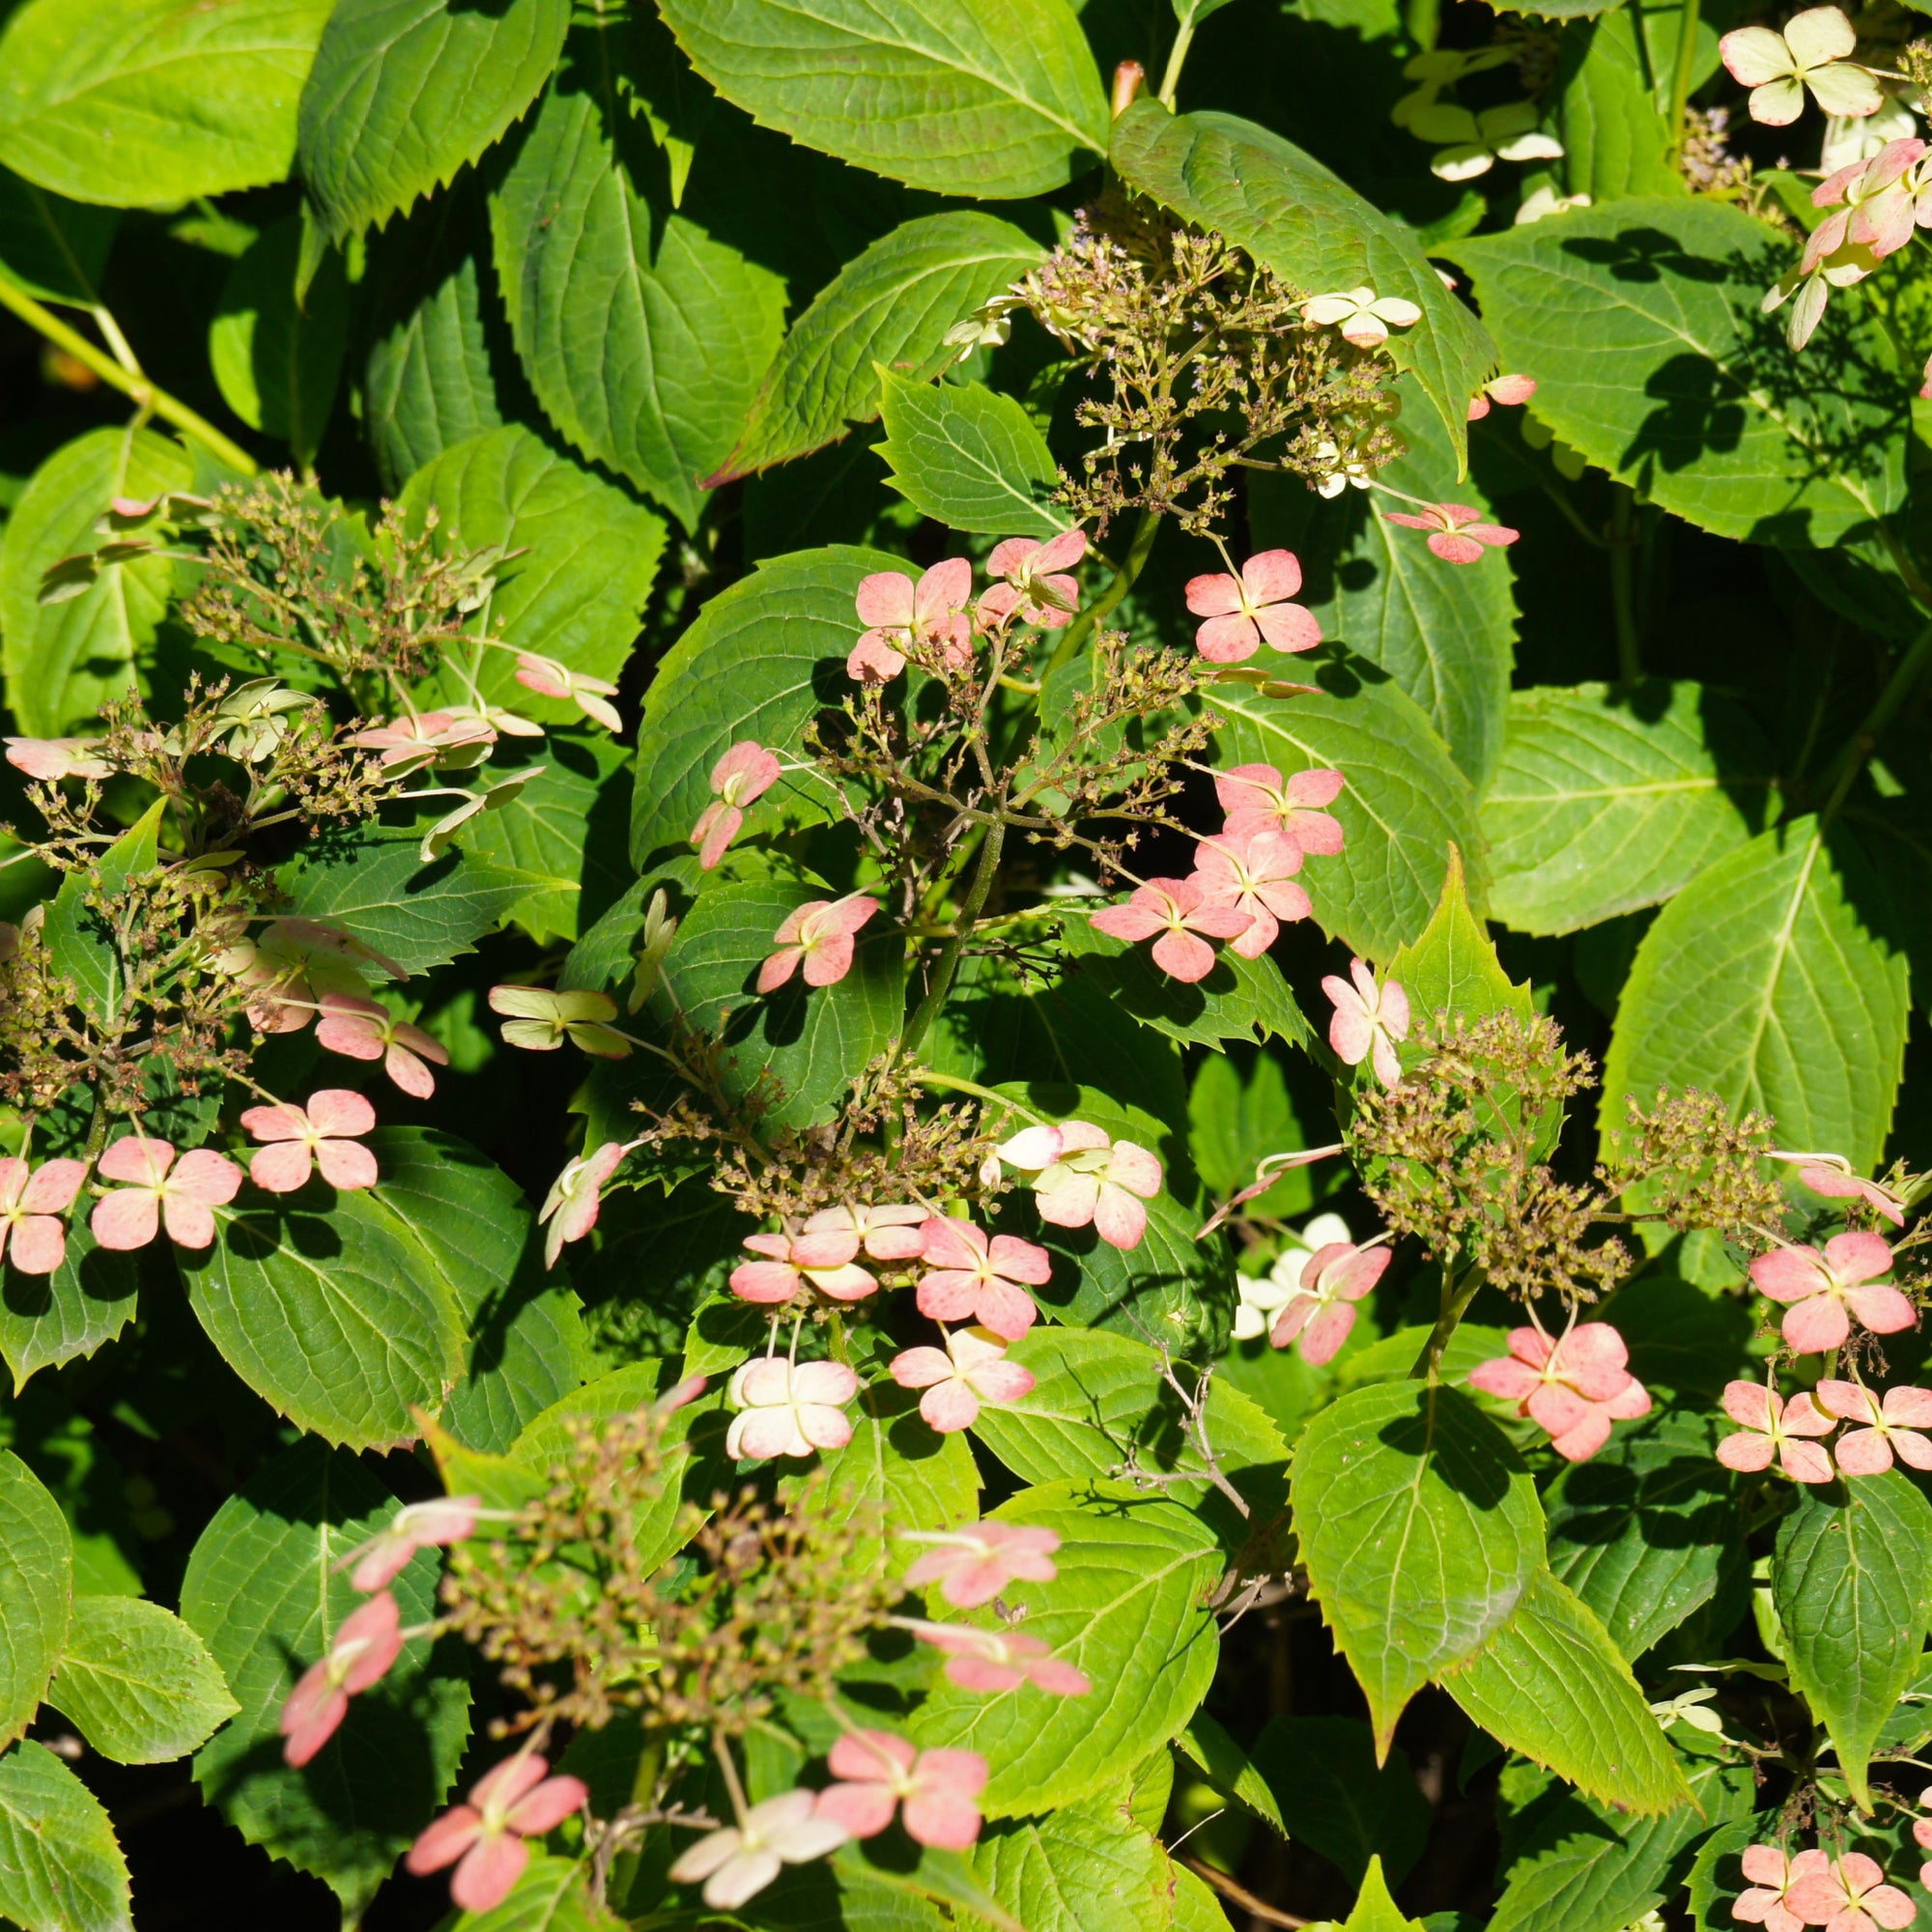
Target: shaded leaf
[
  {"x": 1337, "y": 1799},
  {"x": 140, "y": 1684},
  {"x": 35, "y": 1592},
  {"x": 61, "y": 1868},
  {"x": 968, "y": 457}
]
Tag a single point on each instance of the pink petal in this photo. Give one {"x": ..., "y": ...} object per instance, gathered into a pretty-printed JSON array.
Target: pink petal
[
  {"x": 282, "y": 1168},
  {"x": 346, "y": 1165},
  {"x": 1061, "y": 552},
  {"x": 1804, "y": 1463},
  {"x": 53, "y": 1187},
  {"x": 339, "y": 1110},
  {"x": 1466, "y": 550},
  {"x": 409, "y": 1072},
  {"x": 1002, "y": 1382},
  {"x": 1789, "y": 1274},
  {"x": 1119, "y": 1217},
  {"x": 1067, "y": 1198},
  {"x": 548, "y": 1805},
  {"x": 205, "y": 1176},
  {"x": 281, "y": 1123},
  {"x": 981, "y": 1673},
  {"x": 887, "y": 597},
  {"x": 1183, "y": 957},
  {"x": 830, "y": 1382},
  {"x": 1322, "y": 1340},
  {"x": 949, "y": 1405},
  {"x": 1864, "y": 1452},
  {"x": 1815, "y": 1324},
  {"x": 921, "y": 1367},
  {"x": 863, "y": 1810},
  {"x": 1270, "y": 576},
  {"x": 130, "y": 1218},
  {"x": 1582, "y": 1440},
  {"x": 1858, "y": 1257},
  {"x": 1214, "y": 595},
  {"x": 1227, "y": 639},
  {"x": 1007, "y": 1311},
  {"x": 1131, "y": 923},
  {"x": 137, "y": 1159},
  {"x": 1505, "y": 1377},
  {"x": 716, "y": 828},
  {"x": 942, "y": 1819},
  {"x": 39, "y": 1244},
  {"x": 1352, "y": 1034},
  {"x": 444, "y": 1840},
  {"x": 1804, "y": 1417},
  {"x": 1026, "y": 1260},
  {"x": 1749, "y": 1403},
  {"x": 316, "y": 1729},
  {"x": 943, "y": 588},
  {"x": 778, "y": 968},
  {"x": 1746, "y": 1450},
  {"x": 1288, "y": 627},
  {"x": 764, "y": 1281},
  {"x": 488, "y": 1872},
  {"x": 1060, "y": 1679},
  {"x": 828, "y": 962}
]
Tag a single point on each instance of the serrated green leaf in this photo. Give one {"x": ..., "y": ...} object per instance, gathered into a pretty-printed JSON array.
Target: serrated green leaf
[
  {"x": 1374, "y": 1910},
  {"x": 36, "y": 1593},
  {"x": 84, "y": 1478},
  {"x": 404, "y": 92},
  {"x": 1644, "y": 1530},
  {"x": 1606, "y": 802},
  {"x": 81, "y": 947},
  {"x": 261, "y": 1590},
  {"x": 896, "y": 1474},
  {"x": 644, "y": 336},
  {"x": 1548, "y": 1682},
  {"x": 1289, "y": 211},
  {"x": 1764, "y": 982},
  {"x": 138, "y": 1682},
  {"x": 995, "y": 99},
  {"x": 63, "y": 661},
  {"x": 146, "y": 103},
  {"x": 61, "y": 1868},
  {"x": 1851, "y": 1582},
  {"x": 892, "y": 304},
  {"x": 1335, "y": 1799},
  {"x": 1421, "y": 1532},
  {"x": 1641, "y": 324},
  {"x": 52, "y": 248},
  {"x": 1229, "y": 1769},
  {"x": 765, "y": 655},
  {"x": 278, "y": 360},
  {"x": 589, "y": 554},
  {"x": 1614, "y": 141},
  {"x": 1126, "y": 1608},
  {"x": 967, "y": 457},
  {"x": 1085, "y": 1867},
  {"x": 1452, "y": 968},
  {"x": 1404, "y": 803}
]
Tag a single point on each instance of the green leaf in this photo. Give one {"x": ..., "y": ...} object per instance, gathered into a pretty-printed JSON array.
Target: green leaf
[
  {"x": 1607, "y": 800},
  {"x": 146, "y": 103},
  {"x": 993, "y": 99},
  {"x": 764, "y": 657},
  {"x": 1402, "y": 806},
  {"x": 1452, "y": 967},
  {"x": 1337, "y": 1799},
  {"x": 1644, "y": 1531},
  {"x": 404, "y": 92},
  {"x": 84, "y": 1478},
  {"x": 890, "y": 306},
  {"x": 278, "y": 360},
  {"x": 894, "y": 1474},
  {"x": 1227, "y": 1767},
  {"x": 1085, "y": 1867},
  {"x": 1374, "y": 1910},
  {"x": 968, "y": 457},
  {"x": 1641, "y": 322},
  {"x": 61, "y": 1868},
  {"x": 339, "y": 1320},
  {"x": 1616, "y": 142},
  {"x": 1289, "y": 211},
  {"x": 1126, "y": 1609},
  {"x": 644, "y": 336},
  {"x": 1852, "y": 1584},
  {"x": 589, "y": 554},
  {"x": 138, "y": 1682},
  {"x": 81, "y": 947},
  {"x": 52, "y": 248},
  {"x": 1421, "y": 1533},
  {"x": 1548, "y": 1682},
  {"x": 373, "y": 883},
  {"x": 1763, "y": 983},
  {"x": 263, "y": 1592},
  {"x": 1586, "y": 1867},
  {"x": 1098, "y": 1398},
  {"x": 63, "y": 661},
  {"x": 36, "y": 1593}
]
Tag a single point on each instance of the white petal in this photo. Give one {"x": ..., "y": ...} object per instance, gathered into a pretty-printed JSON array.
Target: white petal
[
  {"x": 1818, "y": 35},
  {"x": 1456, "y": 165}
]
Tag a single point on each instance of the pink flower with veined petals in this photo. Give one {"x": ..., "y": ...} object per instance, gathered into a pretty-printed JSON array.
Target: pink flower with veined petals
[
  {"x": 892, "y": 1232},
  {"x": 1458, "y": 534},
  {"x": 591, "y": 695},
  {"x": 971, "y": 1370},
  {"x": 821, "y": 933},
  {"x": 369, "y": 1641},
  {"x": 1873, "y": 206},
  {"x": 790, "y": 1408},
  {"x": 303, "y": 1139},
  {"x": 364, "y": 1030},
  {"x": 509, "y": 1803},
  {"x": 899, "y": 615},
  {"x": 427, "y": 1525},
  {"x": 1368, "y": 1020},
  {"x": 878, "y": 1772},
  {"x": 1252, "y": 872},
  {"x": 1768, "y": 1426},
  {"x": 1321, "y": 1310},
  {"x": 32, "y": 1201},
  {"x": 741, "y": 776},
  {"x": 1508, "y": 391},
  {"x": 822, "y": 1260},
  {"x": 1256, "y": 800},
  {"x": 1828, "y": 1289},
  {"x": 1841, "y": 1184},
  {"x": 1036, "y": 586},
  {"x": 972, "y": 1279},
  {"x": 1174, "y": 913},
  {"x": 1884, "y": 1427},
  {"x": 1575, "y": 1387},
  {"x": 423, "y": 739},
  {"x": 570, "y": 1206},
  {"x": 1085, "y": 1174},
  {"x": 52, "y": 758},
  {"x": 182, "y": 1194},
  {"x": 1773, "y": 1873},
  {"x": 1242, "y": 612},
  {"x": 1851, "y": 1896},
  {"x": 983, "y": 1660},
  {"x": 973, "y": 1566}
]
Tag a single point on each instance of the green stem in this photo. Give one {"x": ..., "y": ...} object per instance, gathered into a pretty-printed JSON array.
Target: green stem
[
  {"x": 1680, "y": 79},
  {"x": 1623, "y": 588},
  {"x": 951, "y": 1083},
  {"x": 131, "y": 384},
  {"x": 1456, "y": 1298},
  {"x": 1089, "y": 620},
  {"x": 1176, "y": 59},
  {"x": 1864, "y": 740},
  {"x": 929, "y": 1008}
]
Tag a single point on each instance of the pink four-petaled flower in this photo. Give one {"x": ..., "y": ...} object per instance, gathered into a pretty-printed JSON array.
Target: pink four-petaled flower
[
  {"x": 423, "y": 738},
  {"x": 1244, "y": 612},
  {"x": 1772, "y": 1873},
  {"x": 1886, "y": 1426},
  {"x": 887, "y": 1232},
  {"x": 1850, "y": 1896},
  {"x": 970, "y": 1278},
  {"x": 1509, "y": 390},
  {"x": 1002, "y": 1659},
  {"x": 319, "y": 1135},
  {"x": 1840, "y": 1184},
  {"x": 1825, "y": 1291},
  {"x": 878, "y": 1772},
  {"x": 1322, "y": 1311},
  {"x": 1457, "y": 533},
  {"x": 484, "y": 1839},
  {"x": 796, "y": 1262},
  {"x": 32, "y": 1201},
  {"x": 899, "y": 613},
  {"x": 1036, "y": 586},
  {"x": 1768, "y": 1426},
  {"x": 1574, "y": 1387},
  {"x": 1368, "y": 1020},
  {"x": 820, "y": 933},
  {"x": 427, "y": 1525},
  {"x": 790, "y": 1408},
  {"x": 364, "y": 1030},
  {"x": 973, "y": 1566},
  {"x": 971, "y": 1370},
  {"x": 1253, "y": 873},
  {"x": 1176, "y": 914},
  {"x": 591, "y": 695},
  {"x": 1084, "y": 1174},
  {"x": 369, "y": 1641},
  {"x": 182, "y": 1194},
  {"x": 741, "y": 776},
  {"x": 570, "y": 1208},
  {"x": 1257, "y": 800}
]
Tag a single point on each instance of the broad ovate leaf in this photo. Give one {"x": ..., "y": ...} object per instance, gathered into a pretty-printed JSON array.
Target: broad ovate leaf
[{"x": 138, "y": 1682}]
